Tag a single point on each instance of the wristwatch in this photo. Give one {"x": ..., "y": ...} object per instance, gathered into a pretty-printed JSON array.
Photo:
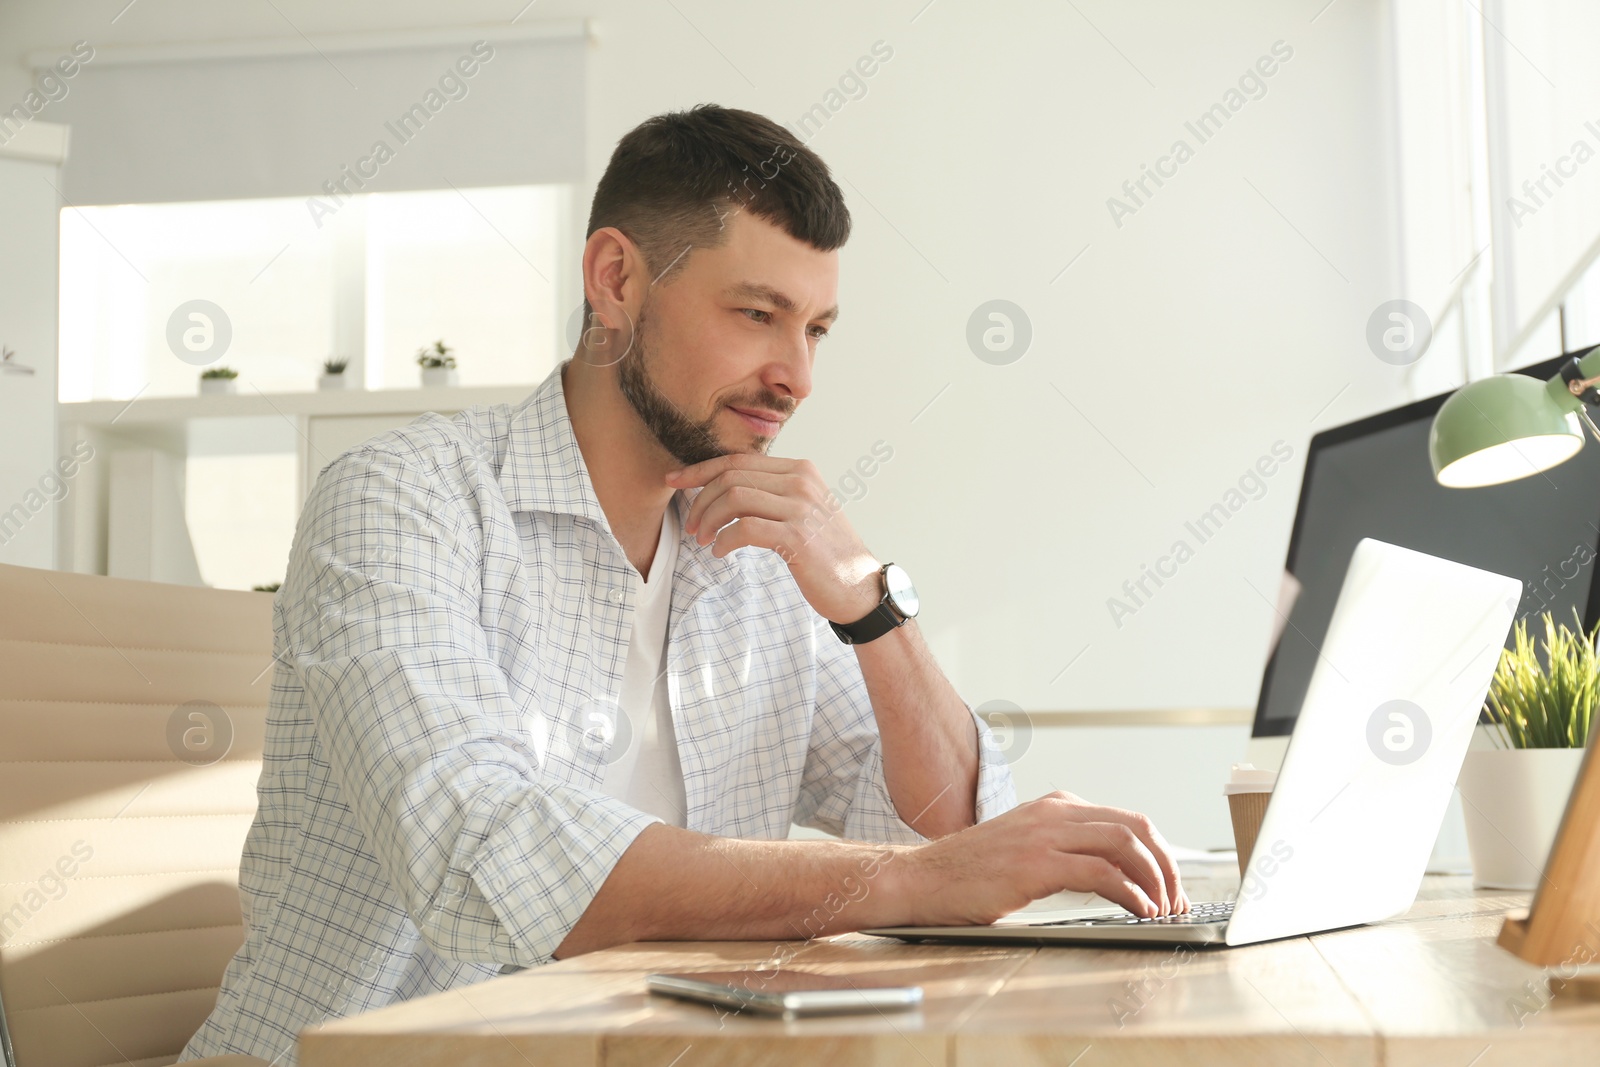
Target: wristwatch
[{"x": 898, "y": 605}]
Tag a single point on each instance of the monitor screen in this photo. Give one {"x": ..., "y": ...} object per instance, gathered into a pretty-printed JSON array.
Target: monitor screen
[{"x": 1372, "y": 478}]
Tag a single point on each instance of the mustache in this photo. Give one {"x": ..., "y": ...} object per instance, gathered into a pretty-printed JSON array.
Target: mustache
[{"x": 766, "y": 402}]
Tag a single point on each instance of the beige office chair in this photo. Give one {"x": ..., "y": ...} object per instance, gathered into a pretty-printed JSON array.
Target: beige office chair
[{"x": 131, "y": 722}]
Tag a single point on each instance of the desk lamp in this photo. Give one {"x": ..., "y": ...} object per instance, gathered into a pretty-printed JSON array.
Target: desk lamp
[
  {"x": 1510, "y": 425},
  {"x": 1491, "y": 431}
]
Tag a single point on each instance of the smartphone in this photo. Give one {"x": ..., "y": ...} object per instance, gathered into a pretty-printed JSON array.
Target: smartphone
[{"x": 788, "y": 994}]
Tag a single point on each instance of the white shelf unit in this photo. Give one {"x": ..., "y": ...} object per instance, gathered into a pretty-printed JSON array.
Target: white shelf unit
[
  {"x": 170, "y": 409},
  {"x": 163, "y": 431}
]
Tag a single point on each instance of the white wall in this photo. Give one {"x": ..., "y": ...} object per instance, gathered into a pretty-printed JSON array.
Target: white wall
[
  {"x": 1227, "y": 314},
  {"x": 31, "y": 480}
]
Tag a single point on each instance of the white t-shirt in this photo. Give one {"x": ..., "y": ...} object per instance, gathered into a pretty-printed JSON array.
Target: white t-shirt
[{"x": 647, "y": 775}]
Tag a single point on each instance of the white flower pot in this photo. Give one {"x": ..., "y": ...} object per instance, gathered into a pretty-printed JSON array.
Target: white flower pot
[
  {"x": 1512, "y": 799},
  {"x": 218, "y": 386},
  {"x": 332, "y": 381},
  {"x": 438, "y": 376}
]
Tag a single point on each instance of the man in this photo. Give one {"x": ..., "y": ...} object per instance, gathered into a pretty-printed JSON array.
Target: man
[{"x": 560, "y": 676}]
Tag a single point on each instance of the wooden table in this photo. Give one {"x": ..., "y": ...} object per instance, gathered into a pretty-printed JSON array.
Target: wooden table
[{"x": 1430, "y": 988}]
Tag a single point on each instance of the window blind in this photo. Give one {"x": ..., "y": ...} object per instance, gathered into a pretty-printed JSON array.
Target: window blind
[{"x": 322, "y": 117}]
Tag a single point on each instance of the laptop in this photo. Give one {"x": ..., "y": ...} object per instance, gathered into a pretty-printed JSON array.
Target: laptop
[{"x": 1362, "y": 792}]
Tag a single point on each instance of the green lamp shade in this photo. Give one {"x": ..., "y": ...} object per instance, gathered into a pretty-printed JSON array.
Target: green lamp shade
[{"x": 1501, "y": 428}]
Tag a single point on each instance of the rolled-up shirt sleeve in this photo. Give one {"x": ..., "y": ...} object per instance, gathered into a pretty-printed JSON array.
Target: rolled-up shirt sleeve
[
  {"x": 842, "y": 789},
  {"x": 441, "y": 768}
]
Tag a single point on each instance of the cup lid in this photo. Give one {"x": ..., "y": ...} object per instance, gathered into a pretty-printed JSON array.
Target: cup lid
[{"x": 1248, "y": 778}]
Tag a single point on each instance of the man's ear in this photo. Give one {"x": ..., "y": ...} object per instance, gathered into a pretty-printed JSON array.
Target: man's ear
[{"x": 613, "y": 278}]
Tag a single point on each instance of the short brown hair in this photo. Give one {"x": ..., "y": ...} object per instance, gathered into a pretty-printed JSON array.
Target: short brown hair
[{"x": 672, "y": 179}]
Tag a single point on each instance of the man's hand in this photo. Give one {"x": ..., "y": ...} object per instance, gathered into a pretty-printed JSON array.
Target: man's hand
[
  {"x": 784, "y": 505},
  {"x": 1056, "y": 843},
  {"x": 679, "y": 885}
]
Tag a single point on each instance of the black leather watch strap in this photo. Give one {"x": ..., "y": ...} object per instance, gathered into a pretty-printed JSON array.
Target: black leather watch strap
[{"x": 877, "y": 622}]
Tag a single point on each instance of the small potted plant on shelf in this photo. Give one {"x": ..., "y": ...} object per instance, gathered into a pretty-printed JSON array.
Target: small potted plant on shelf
[
  {"x": 1514, "y": 792},
  {"x": 218, "y": 380},
  {"x": 333, "y": 374},
  {"x": 266, "y": 587},
  {"x": 437, "y": 363}
]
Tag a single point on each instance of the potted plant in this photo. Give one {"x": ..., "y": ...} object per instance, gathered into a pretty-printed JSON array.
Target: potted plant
[
  {"x": 437, "y": 363},
  {"x": 1514, "y": 791},
  {"x": 218, "y": 380},
  {"x": 333, "y": 374}
]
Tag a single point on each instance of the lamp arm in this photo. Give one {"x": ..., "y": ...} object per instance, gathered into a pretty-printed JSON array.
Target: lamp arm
[{"x": 1583, "y": 413}]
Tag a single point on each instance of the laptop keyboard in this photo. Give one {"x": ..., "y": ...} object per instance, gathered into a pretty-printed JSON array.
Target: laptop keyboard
[{"x": 1215, "y": 911}]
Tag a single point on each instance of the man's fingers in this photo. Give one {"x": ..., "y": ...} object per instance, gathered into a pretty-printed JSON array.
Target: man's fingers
[
  {"x": 741, "y": 502},
  {"x": 1132, "y": 854},
  {"x": 1118, "y": 845},
  {"x": 1176, "y": 879},
  {"x": 1169, "y": 865},
  {"x": 1100, "y": 876},
  {"x": 711, "y": 506},
  {"x": 776, "y": 483},
  {"x": 1146, "y": 832},
  {"x": 762, "y": 533}
]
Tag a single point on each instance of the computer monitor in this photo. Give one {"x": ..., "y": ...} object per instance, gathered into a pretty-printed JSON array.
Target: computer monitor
[{"x": 1372, "y": 478}]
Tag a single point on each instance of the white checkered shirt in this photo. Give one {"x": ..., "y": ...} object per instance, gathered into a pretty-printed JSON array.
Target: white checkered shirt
[{"x": 452, "y": 627}]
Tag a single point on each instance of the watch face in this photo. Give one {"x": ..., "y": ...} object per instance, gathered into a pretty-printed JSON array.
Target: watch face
[{"x": 901, "y": 591}]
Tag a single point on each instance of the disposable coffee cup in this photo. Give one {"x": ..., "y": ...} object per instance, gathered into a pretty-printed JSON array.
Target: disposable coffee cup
[{"x": 1248, "y": 789}]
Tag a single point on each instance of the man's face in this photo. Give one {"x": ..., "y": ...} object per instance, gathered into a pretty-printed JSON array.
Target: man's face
[{"x": 737, "y": 327}]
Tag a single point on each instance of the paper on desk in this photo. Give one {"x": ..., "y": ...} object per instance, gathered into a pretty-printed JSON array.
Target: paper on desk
[
  {"x": 1198, "y": 863},
  {"x": 1201, "y": 855}
]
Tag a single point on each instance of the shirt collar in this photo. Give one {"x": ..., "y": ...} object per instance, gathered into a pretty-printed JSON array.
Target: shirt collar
[{"x": 544, "y": 471}]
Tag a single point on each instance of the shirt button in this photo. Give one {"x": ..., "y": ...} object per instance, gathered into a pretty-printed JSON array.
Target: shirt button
[{"x": 617, "y": 595}]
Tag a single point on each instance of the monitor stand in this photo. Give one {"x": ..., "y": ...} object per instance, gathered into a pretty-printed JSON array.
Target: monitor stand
[{"x": 1267, "y": 752}]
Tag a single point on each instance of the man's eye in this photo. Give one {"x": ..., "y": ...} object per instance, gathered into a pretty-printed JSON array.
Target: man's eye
[
  {"x": 819, "y": 332},
  {"x": 753, "y": 312}
]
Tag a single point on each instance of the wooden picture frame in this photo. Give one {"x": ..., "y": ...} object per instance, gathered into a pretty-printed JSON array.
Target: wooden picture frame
[{"x": 1562, "y": 924}]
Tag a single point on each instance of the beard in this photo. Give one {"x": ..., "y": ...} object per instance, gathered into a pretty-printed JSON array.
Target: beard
[{"x": 687, "y": 440}]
